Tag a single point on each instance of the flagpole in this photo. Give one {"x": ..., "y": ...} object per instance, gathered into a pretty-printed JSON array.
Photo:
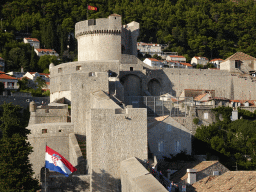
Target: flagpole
[{"x": 45, "y": 172}]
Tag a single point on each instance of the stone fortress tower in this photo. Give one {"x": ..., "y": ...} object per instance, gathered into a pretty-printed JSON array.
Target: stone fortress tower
[
  {"x": 97, "y": 88},
  {"x": 99, "y": 39}
]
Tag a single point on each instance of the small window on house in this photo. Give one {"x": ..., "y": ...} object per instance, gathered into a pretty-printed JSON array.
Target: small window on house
[
  {"x": 44, "y": 131},
  {"x": 237, "y": 64},
  {"x": 78, "y": 68},
  {"x": 59, "y": 70},
  {"x": 205, "y": 115},
  {"x": 91, "y": 74},
  {"x": 60, "y": 130},
  {"x": 177, "y": 146},
  {"x": 131, "y": 68},
  {"x": 161, "y": 146}
]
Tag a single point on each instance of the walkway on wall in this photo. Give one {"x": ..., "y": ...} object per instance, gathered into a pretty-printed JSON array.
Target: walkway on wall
[{"x": 161, "y": 106}]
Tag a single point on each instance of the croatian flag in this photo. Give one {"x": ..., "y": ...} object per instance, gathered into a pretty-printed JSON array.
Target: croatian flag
[{"x": 56, "y": 162}]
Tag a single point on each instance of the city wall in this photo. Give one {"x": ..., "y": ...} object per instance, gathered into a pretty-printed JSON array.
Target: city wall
[
  {"x": 135, "y": 178},
  {"x": 114, "y": 135},
  {"x": 55, "y": 135}
]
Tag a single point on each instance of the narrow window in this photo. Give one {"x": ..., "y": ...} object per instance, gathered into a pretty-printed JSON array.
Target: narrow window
[
  {"x": 177, "y": 147},
  {"x": 44, "y": 131},
  {"x": 205, "y": 115},
  {"x": 161, "y": 146},
  {"x": 131, "y": 68},
  {"x": 78, "y": 68}
]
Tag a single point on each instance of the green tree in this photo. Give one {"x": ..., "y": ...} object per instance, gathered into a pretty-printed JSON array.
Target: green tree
[
  {"x": 15, "y": 169},
  {"x": 45, "y": 61},
  {"x": 40, "y": 82}
]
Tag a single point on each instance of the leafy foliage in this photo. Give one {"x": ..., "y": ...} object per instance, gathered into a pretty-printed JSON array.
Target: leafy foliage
[
  {"x": 15, "y": 169},
  {"x": 231, "y": 141}
]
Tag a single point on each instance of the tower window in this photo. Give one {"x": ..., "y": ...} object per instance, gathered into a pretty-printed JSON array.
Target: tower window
[{"x": 131, "y": 68}]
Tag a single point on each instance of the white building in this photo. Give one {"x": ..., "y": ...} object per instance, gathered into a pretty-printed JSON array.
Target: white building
[
  {"x": 34, "y": 75},
  {"x": 152, "y": 62},
  {"x": 9, "y": 82},
  {"x": 33, "y": 42},
  {"x": 177, "y": 64},
  {"x": 41, "y": 52},
  {"x": 150, "y": 48},
  {"x": 176, "y": 58},
  {"x": 216, "y": 62},
  {"x": 199, "y": 60}
]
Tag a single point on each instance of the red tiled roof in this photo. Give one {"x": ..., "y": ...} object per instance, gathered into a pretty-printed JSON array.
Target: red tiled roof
[
  {"x": 47, "y": 83},
  {"x": 177, "y": 56},
  {"x": 199, "y": 97},
  {"x": 187, "y": 64},
  {"x": 153, "y": 59},
  {"x": 240, "y": 56},
  {"x": 216, "y": 60},
  {"x": 45, "y": 50},
  {"x": 4, "y": 76},
  {"x": 197, "y": 57},
  {"x": 45, "y": 74},
  {"x": 172, "y": 61},
  {"x": 32, "y": 39}
]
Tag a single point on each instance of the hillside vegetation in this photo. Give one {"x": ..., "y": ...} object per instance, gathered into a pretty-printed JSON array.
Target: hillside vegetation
[{"x": 190, "y": 27}]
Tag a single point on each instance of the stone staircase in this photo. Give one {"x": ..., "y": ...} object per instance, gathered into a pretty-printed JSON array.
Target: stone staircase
[{"x": 81, "y": 139}]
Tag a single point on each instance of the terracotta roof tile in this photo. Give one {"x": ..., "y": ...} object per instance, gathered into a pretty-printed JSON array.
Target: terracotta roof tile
[
  {"x": 216, "y": 60},
  {"x": 177, "y": 56},
  {"x": 240, "y": 56},
  {"x": 199, "y": 97},
  {"x": 153, "y": 59},
  {"x": 4, "y": 76},
  {"x": 229, "y": 181},
  {"x": 32, "y": 39},
  {"x": 45, "y": 50},
  {"x": 187, "y": 64}
]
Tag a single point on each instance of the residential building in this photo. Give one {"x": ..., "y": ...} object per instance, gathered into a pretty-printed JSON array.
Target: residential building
[
  {"x": 34, "y": 42},
  {"x": 199, "y": 60},
  {"x": 150, "y": 48},
  {"x": 42, "y": 52},
  {"x": 239, "y": 62},
  {"x": 216, "y": 62},
  {"x": 152, "y": 62},
  {"x": 176, "y": 64},
  {"x": 166, "y": 136},
  {"x": 10, "y": 83},
  {"x": 34, "y": 75},
  {"x": 2, "y": 64},
  {"x": 16, "y": 74},
  {"x": 176, "y": 58}
]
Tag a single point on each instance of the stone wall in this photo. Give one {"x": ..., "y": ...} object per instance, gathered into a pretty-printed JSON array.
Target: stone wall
[
  {"x": 61, "y": 79},
  {"x": 100, "y": 40},
  {"x": 75, "y": 156},
  {"x": 169, "y": 132},
  {"x": 114, "y": 136},
  {"x": 52, "y": 113},
  {"x": 135, "y": 178},
  {"x": 60, "y": 183},
  {"x": 55, "y": 135},
  {"x": 82, "y": 86}
]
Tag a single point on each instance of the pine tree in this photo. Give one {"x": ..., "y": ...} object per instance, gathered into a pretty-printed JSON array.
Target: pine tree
[{"x": 15, "y": 169}]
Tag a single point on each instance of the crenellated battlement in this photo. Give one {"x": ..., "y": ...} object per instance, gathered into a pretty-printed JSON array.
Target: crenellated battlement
[{"x": 110, "y": 25}]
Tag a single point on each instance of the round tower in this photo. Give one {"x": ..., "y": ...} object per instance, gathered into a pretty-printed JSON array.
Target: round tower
[{"x": 99, "y": 39}]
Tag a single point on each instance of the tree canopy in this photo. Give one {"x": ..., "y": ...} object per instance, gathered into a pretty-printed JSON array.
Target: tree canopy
[{"x": 214, "y": 29}]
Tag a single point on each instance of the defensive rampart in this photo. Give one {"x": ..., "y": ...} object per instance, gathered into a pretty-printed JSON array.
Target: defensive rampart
[
  {"x": 134, "y": 177},
  {"x": 99, "y": 39}
]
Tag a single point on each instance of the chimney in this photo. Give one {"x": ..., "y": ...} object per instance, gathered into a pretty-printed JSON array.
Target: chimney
[
  {"x": 191, "y": 176},
  {"x": 21, "y": 70},
  {"x": 234, "y": 115}
]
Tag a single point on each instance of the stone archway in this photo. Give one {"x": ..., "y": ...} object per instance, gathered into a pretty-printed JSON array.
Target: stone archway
[
  {"x": 154, "y": 87},
  {"x": 132, "y": 85}
]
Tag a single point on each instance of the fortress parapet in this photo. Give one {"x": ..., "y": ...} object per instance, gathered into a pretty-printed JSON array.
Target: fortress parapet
[{"x": 99, "y": 39}]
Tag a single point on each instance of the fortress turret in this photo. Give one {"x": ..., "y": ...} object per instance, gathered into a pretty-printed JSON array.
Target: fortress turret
[{"x": 99, "y": 39}]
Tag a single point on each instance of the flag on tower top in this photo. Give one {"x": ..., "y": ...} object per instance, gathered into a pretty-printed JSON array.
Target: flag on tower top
[
  {"x": 56, "y": 162},
  {"x": 92, "y": 8}
]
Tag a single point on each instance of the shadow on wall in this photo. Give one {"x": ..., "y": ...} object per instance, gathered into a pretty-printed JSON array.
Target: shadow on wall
[
  {"x": 103, "y": 181},
  {"x": 151, "y": 83},
  {"x": 57, "y": 182},
  {"x": 167, "y": 138}
]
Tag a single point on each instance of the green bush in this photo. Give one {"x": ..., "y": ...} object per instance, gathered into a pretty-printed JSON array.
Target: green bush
[{"x": 196, "y": 121}]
